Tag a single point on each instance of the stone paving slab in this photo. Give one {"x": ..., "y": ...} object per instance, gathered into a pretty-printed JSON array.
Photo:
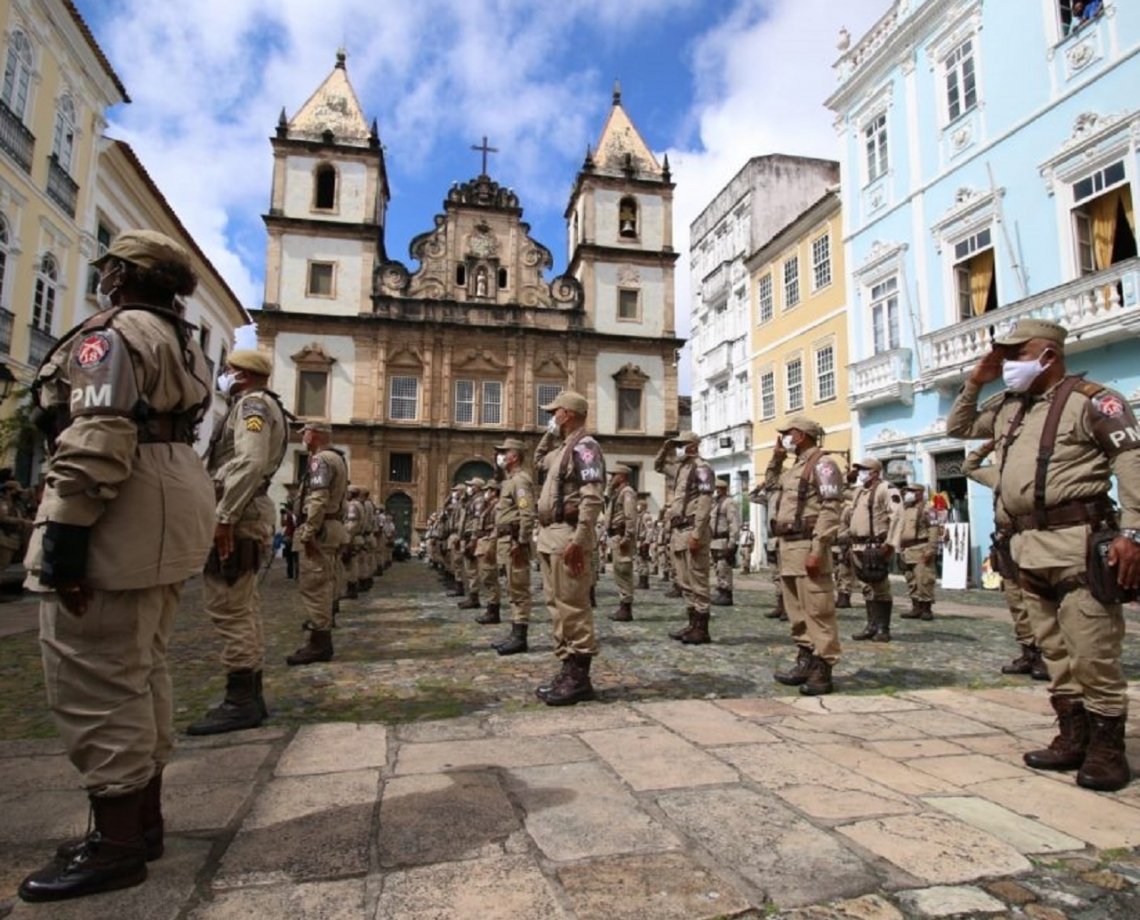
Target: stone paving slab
[
  {"x": 42, "y": 816},
  {"x": 951, "y": 901},
  {"x": 1024, "y": 834},
  {"x": 933, "y": 723},
  {"x": 1008, "y": 718},
  {"x": 661, "y": 886},
  {"x": 491, "y": 752},
  {"x": 505, "y": 887},
  {"x": 235, "y": 763},
  {"x": 705, "y": 723},
  {"x": 836, "y": 703},
  {"x": 341, "y": 900},
  {"x": 334, "y": 748},
  {"x": 868, "y": 907},
  {"x": 651, "y": 757},
  {"x": 578, "y": 810},
  {"x": 862, "y": 726},
  {"x": 754, "y": 835},
  {"x": 936, "y": 848},
  {"x": 538, "y": 723},
  {"x": 190, "y": 807},
  {"x": 883, "y": 770}
]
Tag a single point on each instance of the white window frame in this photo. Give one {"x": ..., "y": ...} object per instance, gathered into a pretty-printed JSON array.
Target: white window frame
[
  {"x": 394, "y": 383},
  {"x": 45, "y": 298},
  {"x": 765, "y": 299},
  {"x": 876, "y": 146},
  {"x": 64, "y": 134},
  {"x": 821, "y": 267},
  {"x": 483, "y": 399},
  {"x": 884, "y": 301},
  {"x": 794, "y": 362},
  {"x": 545, "y": 392},
  {"x": 961, "y": 66},
  {"x": 19, "y": 63},
  {"x": 766, "y": 388},
  {"x": 314, "y": 263},
  {"x": 640, "y": 426},
  {"x": 823, "y": 375},
  {"x": 791, "y": 281}
]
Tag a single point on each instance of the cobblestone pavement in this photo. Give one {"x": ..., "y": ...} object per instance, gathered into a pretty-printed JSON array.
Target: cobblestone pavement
[{"x": 416, "y": 776}]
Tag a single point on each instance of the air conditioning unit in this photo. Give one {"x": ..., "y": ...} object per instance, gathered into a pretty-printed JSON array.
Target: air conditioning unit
[{"x": 726, "y": 442}]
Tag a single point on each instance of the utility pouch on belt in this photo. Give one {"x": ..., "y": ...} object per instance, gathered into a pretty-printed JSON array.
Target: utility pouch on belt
[
  {"x": 246, "y": 557},
  {"x": 1001, "y": 557},
  {"x": 1101, "y": 576},
  {"x": 870, "y": 563}
]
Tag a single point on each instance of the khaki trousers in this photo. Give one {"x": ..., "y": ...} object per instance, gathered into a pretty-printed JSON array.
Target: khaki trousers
[
  {"x": 844, "y": 577},
  {"x": 470, "y": 574},
  {"x": 919, "y": 581},
  {"x": 518, "y": 580},
  {"x": 319, "y": 584},
  {"x": 692, "y": 573},
  {"x": 745, "y": 560},
  {"x": 568, "y": 600},
  {"x": 108, "y": 684},
  {"x": 623, "y": 570},
  {"x": 489, "y": 579},
  {"x": 1019, "y": 613},
  {"x": 810, "y": 604},
  {"x": 1081, "y": 641},
  {"x": 235, "y": 611},
  {"x": 723, "y": 572}
]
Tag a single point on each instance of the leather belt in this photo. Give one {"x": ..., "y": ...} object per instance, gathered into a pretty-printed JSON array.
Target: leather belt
[
  {"x": 787, "y": 530},
  {"x": 1068, "y": 514},
  {"x": 569, "y": 516},
  {"x": 682, "y": 521}
]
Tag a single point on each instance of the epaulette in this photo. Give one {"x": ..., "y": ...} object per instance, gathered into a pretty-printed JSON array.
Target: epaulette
[{"x": 1090, "y": 389}]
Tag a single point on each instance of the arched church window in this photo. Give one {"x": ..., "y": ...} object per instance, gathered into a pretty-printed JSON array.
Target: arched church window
[
  {"x": 325, "y": 197},
  {"x": 17, "y": 74},
  {"x": 461, "y": 274},
  {"x": 627, "y": 218},
  {"x": 63, "y": 140},
  {"x": 502, "y": 278}
]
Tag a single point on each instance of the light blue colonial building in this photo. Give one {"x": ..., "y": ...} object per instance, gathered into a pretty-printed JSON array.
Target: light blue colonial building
[{"x": 989, "y": 155}]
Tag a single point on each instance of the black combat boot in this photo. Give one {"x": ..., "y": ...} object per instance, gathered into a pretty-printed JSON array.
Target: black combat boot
[
  {"x": 843, "y": 600},
  {"x": 721, "y": 598},
  {"x": 542, "y": 691},
  {"x": 643, "y": 582},
  {"x": 593, "y": 597},
  {"x": 684, "y": 630},
  {"x": 259, "y": 690},
  {"x": 699, "y": 634},
  {"x": 575, "y": 687},
  {"x": 350, "y": 591},
  {"x": 515, "y": 642},
  {"x": 778, "y": 612},
  {"x": 925, "y": 612},
  {"x": 1038, "y": 671},
  {"x": 1023, "y": 663},
  {"x": 674, "y": 591},
  {"x": 490, "y": 615},
  {"x": 457, "y": 590},
  {"x": 151, "y": 825},
  {"x": 318, "y": 648},
  {"x": 238, "y": 711},
  {"x": 799, "y": 672},
  {"x": 1106, "y": 764},
  {"x": 624, "y": 612},
  {"x": 882, "y": 621},
  {"x": 1067, "y": 750},
  {"x": 818, "y": 680},
  {"x": 470, "y": 603},
  {"x": 868, "y": 631},
  {"x": 915, "y": 611},
  {"x": 112, "y": 856}
]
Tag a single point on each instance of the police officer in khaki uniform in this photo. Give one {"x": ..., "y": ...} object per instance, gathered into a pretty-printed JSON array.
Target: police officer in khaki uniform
[
  {"x": 840, "y": 550},
  {"x": 514, "y": 526},
  {"x": 469, "y": 541},
  {"x": 127, "y": 516},
  {"x": 689, "y": 516},
  {"x": 747, "y": 545},
  {"x": 244, "y": 455},
  {"x": 644, "y": 541},
  {"x": 1059, "y": 438},
  {"x": 804, "y": 513},
  {"x": 572, "y": 476},
  {"x": 321, "y": 534},
  {"x": 621, "y": 526},
  {"x": 765, "y": 499},
  {"x": 725, "y": 541},
  {"x": 867, "y": 528},
  {"x": 1029, "y": 661},
  {"x": 353, "y": 550},
  {"x": 486, "y": 553},
  {"x": 916, "y": 542},
  {"x": 13, "y": 525}
]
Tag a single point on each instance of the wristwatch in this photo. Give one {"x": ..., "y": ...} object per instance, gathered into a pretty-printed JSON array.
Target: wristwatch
[{"x": 1130, "y": 534}]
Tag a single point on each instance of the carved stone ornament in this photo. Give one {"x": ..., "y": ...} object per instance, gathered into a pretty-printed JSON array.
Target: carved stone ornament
[
  {"x": 888, "y": 434},
  {"x": 1081, "y": 55},
  {"x": 631, "y": 375},
  {"x": 313, "y": 355},
  {"x": 628, "y": 276},
  {"x": 961, "y": 137},
  {"x": 482, "y": 244},
  {"x": 550, "y": 365},
  {"x": 478, "y": 360},
  {"x": 405, "y": 356}
]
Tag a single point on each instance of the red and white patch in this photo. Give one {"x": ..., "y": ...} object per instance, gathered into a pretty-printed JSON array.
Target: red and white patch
[
  {"x": 588, "y": 454},
  {"x": 93, "y": 350},
  {"x": 1109, "y": 405}
]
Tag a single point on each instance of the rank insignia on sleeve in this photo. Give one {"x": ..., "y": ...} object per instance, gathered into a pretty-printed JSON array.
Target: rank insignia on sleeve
[
  {"x": 254, "y": 424},
  {"x": 523, "y": 503},
  {"x": 1109, "y": 405},
  {"x": 93, "y": 350}
]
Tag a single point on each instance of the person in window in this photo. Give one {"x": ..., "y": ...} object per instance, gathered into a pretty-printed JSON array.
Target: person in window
[{"x": 1084, "y": 11}]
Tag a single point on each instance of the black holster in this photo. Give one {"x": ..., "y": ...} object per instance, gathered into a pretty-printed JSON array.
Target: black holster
[
  {"x": 1102, "y": 580},
  {"x": 870, "y": 564},
  {"x": 246, "y": 557},
  {"x": 1001, "y": 556}
]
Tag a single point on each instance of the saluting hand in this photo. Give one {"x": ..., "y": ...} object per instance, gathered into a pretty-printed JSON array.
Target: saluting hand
[
  {"x": 1124, "y": 555},
  {"x": 988, "y": 369}
]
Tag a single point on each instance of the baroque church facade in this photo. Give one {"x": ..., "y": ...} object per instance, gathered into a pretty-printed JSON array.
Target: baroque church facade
[{"x": 422, "y": 367}]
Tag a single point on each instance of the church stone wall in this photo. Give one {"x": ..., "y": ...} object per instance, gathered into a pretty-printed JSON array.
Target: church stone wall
[
  {"x": 651, "y": 221},
  {"x": 298, "y": 251},
  {"x": 338, "y": 347},
  {"x": 608, "y": 363},
  {"x": 351, "y": 186},
  {"x": 651, "y": 281}
]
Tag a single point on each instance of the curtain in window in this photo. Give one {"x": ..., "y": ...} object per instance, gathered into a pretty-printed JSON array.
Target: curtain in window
[
  {"x": 981, "y": 277},
  {"x": 1102, "y": 210}
]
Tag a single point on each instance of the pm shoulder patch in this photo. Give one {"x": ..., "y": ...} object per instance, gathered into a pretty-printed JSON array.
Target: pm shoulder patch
[
  {"x": 1108, "y": 405},
  {"x": 706, "y": 481},
  {"x": 92, "y": 350},
  {"x": 829, "y": 479},
  {"x": 320, "y": 474},
  {"x": 589, "y": 461}
]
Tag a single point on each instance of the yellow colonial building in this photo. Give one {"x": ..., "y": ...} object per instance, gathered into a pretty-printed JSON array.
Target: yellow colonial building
[
  {"x": 798, "y": 341},
  {"x": 56, "y": 88}
]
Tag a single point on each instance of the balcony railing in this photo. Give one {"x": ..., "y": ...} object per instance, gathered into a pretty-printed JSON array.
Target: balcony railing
[
  {"x": 7, "y": 317},
  {"x": 882, "y": 378},
  {"x": 61, "y": 188},
  {"x": 714, "y": 286},
  {"x": 1095, "y": 309},
  {"x": 15, "y": 138},
  {"x": 718, "y": 361},
  {"x": 39, "y": 344}
]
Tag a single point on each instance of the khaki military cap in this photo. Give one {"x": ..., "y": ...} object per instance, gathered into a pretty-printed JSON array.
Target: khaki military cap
[
  {"x": 477, "y": 483},
  {"x": 620, "y": 468},
  {"x": 511, "y": 444},
  {"x": 1027, "y": 329},
  {"x": 570, "y": 401},
  {"x": 246, "y": 359},
  {"x": 804, "y": 424},
  {"x": 354, "y": 490},
  {"x": 721, "y": 482},
  {"x": 319, "y": 427},
  {"x": 147, "y": 248},
  {"x": 869, "y": 463},
  {"x": 12, "y": 485},
  {"x": 687, "y": 437},
  {"x": 492, "y": 486},
  {"x": 914, "y": 487}
]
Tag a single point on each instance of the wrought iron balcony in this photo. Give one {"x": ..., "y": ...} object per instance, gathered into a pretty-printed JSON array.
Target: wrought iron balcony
[
  {"x": 61, "y": 188},
  {"x": 882, "y": 378},
  {"x": 15, "y": 138},
  {"x": 39, "y": 344},
  {"x": 1096, "y": 309},
  {"x": 7, "y": 317}
]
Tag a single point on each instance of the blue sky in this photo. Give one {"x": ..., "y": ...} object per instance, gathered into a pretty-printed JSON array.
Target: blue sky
[{"x": 710, "y": 82}]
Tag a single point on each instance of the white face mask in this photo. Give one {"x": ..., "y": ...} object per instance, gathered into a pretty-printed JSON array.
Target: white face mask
[
  {"x": 788, "y": 441},
  {"x": 226, "y": 382},
  {"x": 910, "y": 498},
  {"x": 1019, "y": 375},
  {"x": 470, "y": 491},
  {"x": 864, "y": 477},
  {"x": 501, "y": 461},
  {"x": 552, "y": 426}
]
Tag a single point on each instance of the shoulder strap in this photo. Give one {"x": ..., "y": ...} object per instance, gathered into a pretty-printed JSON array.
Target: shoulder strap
[
  {"x": 1048, "y": 443},
  {"x": 1010, "y": 434},
  {"x": 803, "y": 486}
]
